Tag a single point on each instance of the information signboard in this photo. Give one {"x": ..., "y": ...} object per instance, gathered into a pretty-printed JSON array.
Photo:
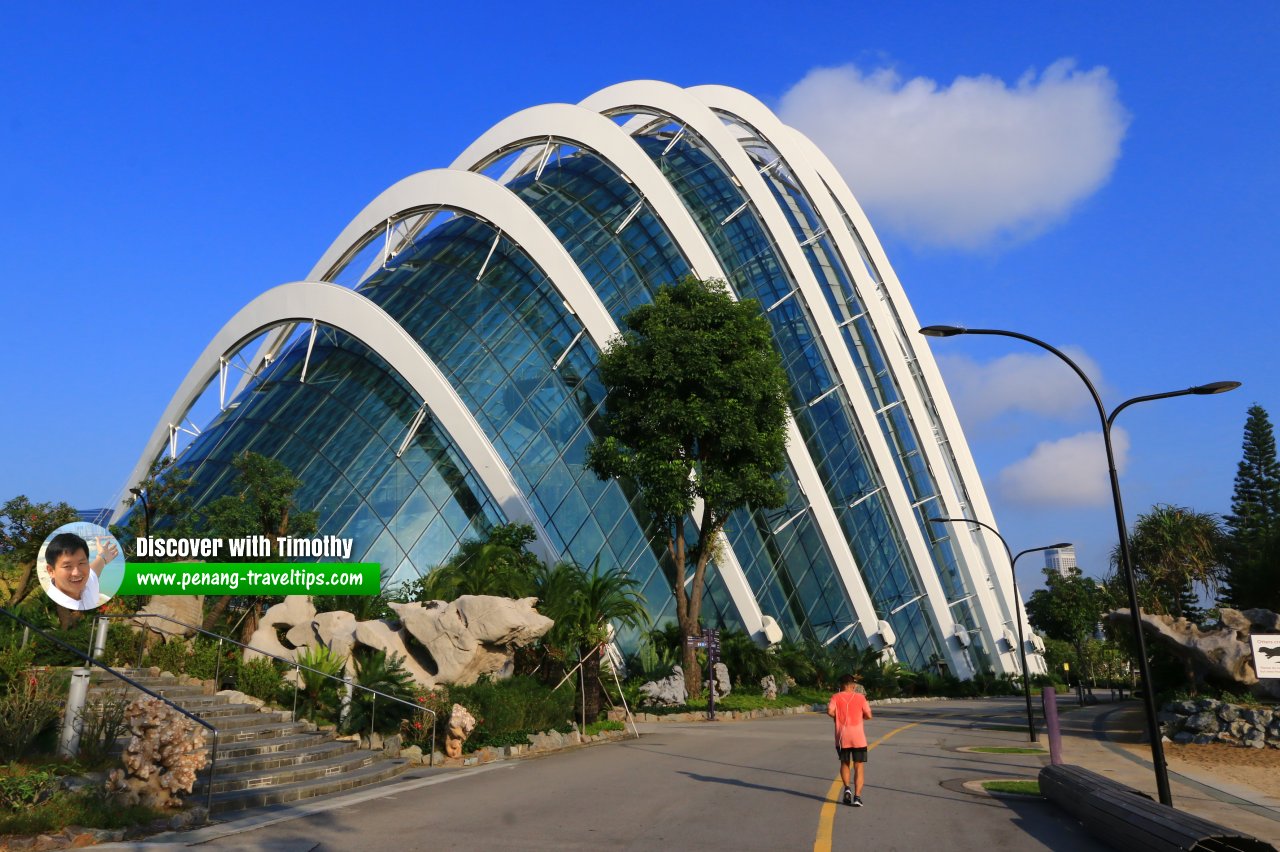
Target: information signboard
[{"x": 1266, "y": 654}]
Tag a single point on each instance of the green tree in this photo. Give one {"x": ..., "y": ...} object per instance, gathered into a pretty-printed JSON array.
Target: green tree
[
  {"x": 584, "y": 606},
  {"x": 1174, "y": 548},
  {"x": 261, "y": 504},
  {"x": 695, "y": 413},
  {"x": 1067, "y": 609},
  {"x": 1252, "y": 554},
  {"x": 166, "y": 512},
  {"x": 498, "y": 564},
  {"x": 23, "y": 528}
]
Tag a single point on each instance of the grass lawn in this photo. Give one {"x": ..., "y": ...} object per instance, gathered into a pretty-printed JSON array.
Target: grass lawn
[
  {"x": 1024, "y": 788},
  {"x": 1007, "y": 750}
]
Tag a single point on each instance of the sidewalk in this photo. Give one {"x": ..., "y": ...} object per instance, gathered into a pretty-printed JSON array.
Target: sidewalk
[{"x": 1094, "y": 737}]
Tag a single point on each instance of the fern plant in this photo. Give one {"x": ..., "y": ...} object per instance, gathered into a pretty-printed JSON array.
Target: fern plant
[
  {"x": 387, "y": 675},
  {"x": 317, "y": 694}
]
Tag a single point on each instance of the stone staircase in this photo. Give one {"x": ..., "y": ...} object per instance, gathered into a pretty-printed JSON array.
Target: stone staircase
[{"x": 264, "y": 758}]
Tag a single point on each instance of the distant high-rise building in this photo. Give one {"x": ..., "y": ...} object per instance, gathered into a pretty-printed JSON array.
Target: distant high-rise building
[{"x": 1061, "y": 559}]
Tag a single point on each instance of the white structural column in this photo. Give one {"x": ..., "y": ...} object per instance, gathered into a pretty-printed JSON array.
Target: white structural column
[
  {"x": 994, "y": 603},
  {"x": 596, "y": 133},
  {"x": 338, "y": 307},
  {"x": 657, "y": 98},
  {"x": 476, "y": 195},
  {"x": 906, "y": 325}
]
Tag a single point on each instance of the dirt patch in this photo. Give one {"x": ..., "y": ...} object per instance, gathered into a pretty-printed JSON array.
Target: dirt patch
[{"x": 1258, "y": 768}]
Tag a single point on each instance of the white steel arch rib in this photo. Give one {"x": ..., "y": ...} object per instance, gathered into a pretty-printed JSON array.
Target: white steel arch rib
[
  {"x": 594, "y": 132},
  {"x": 480, "y": 196},
  {"x": 976, "y": 561},
  {"x": 338, "y": 307},
  {"x": 654, "y": 97}
]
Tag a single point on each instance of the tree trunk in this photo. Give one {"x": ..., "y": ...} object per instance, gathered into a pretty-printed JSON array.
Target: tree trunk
[
  {"x": 24, "y": 584},
  {"x": 250, "y": 624},
  {"x": 689, "y": 656},
  {"x": 216, "y": 611},
  {"x": 67, "y": 618},
  {"x": 591, "y": 687}
]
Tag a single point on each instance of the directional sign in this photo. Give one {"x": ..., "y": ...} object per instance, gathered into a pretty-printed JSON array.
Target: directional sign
[{"x": 1266, "y": 654}]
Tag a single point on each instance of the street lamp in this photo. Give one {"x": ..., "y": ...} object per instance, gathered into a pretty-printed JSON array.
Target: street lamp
[
  {"x": 146, "y": 510},
  {"x": 1017, "y": 604},
  {"x": 1148, "y": 694}
]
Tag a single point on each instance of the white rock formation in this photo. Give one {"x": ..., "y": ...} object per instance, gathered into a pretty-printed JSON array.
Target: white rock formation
[
  {"x": 441, "y": 643},
  {"x": 668, "y": 692},
  {"x": 189, "y": 609},
  {"x": 293, "y": 611}
]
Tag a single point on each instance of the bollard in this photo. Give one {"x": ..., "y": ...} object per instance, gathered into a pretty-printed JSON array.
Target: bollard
[
  {"x": 1049, "y": 696},
  {"x": 100, "y": 639},
  {"x": 73, "y": 718}
]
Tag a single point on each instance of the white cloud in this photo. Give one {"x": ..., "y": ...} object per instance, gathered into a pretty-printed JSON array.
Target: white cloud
[
  {"x": 1067, "y": 472},
  {"x": 965, "y": 164},
  {"x": 1037, "y": 384}
]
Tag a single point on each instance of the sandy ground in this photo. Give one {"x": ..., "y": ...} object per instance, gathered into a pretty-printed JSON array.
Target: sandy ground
[{"x": 1258, "y": 768}]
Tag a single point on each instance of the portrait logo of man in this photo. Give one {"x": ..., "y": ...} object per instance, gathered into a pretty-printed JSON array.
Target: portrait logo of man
[{"x": 80, "y": 566}]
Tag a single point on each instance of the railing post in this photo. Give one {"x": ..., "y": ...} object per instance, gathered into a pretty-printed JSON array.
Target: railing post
[
  {"x": 217, "y": 668},
  {"x": 297, "y": 676},
  {"x": 73, "y": 718},
  {"x": 373, "y": 715},
  {"x": 213, "y": 764},
  {"x": 100, "y": 637}
]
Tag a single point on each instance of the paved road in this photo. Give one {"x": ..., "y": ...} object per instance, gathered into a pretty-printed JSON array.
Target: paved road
[{"x": 766, "y": 784}]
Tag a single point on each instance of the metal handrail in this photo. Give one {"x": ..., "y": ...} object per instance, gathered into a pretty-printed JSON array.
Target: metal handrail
[
  {"x": 297, "y": 666},
  {"x": 213, "y": 753}
]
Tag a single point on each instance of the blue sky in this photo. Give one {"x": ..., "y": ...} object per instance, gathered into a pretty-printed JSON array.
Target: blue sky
[{"x": 1103, "y": 179}]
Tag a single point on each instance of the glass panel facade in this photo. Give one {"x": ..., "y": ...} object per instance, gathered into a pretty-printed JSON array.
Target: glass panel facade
[
  {"x": 880, "y": 385},
  {"x": 339, "y": 432},
  {"x": 820, "y": 405},
  {"x": 626, "y": 253}
]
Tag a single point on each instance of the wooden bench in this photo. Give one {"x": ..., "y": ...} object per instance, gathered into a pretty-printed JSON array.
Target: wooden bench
[{"x": 1130, "y": 820}]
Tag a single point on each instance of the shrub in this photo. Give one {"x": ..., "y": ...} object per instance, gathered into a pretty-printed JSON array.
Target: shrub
[
  {"x": 101, "y": 724},
  {"x": 29, "y": 703},
  {"x": 260, "y": 678},
  {"x": 204, "y": 664},
  {"x": 88, "y": 808},
  {"x": 417, "y": 729},
  {"x": 518, "y": 704},
  {"x": 23, "y": 788},
  {"x": 170, "y": 656},
  {"x": 123, "y": 644}
]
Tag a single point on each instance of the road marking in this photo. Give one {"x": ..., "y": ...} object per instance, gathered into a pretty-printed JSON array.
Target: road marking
[{"x": 827, "y": 818}]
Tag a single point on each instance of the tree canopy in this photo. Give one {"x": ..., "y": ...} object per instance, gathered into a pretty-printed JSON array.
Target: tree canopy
[
  {"x": 1068, "y": 608},
  {"x": 696, "y": 411},
  {"x": 497, "y": 564},
  {"x": 1174, "y": 551},
  {"x": 23, "y": 528},
  {"x": 1252, "y": 553}
]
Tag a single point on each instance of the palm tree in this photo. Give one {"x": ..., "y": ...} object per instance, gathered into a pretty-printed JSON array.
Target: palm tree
[
  {"x": 496, "y": 565},
  {"x": 583, "y": 606},
  {"x": 1175, "y": 548}
]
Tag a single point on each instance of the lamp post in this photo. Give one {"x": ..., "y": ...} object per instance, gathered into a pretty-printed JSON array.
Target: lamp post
[
  {"x": 1149, "y": 701},
  {"x": 1017, "y": 606},
  {"x": 146, "y": 510}
]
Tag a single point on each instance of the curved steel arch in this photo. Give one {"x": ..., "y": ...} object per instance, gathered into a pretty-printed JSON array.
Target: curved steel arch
[
  {"x": 978, "y": 561},
  {"x": 483, "y": 197},
  {"x": 598, "y": 134},
  {"x": 649, "y": 96},
  {"x": 336, "y": 306}
]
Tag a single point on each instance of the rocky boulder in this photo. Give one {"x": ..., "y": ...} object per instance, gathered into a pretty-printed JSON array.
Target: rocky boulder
[{"x": 667, "y": 692}]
